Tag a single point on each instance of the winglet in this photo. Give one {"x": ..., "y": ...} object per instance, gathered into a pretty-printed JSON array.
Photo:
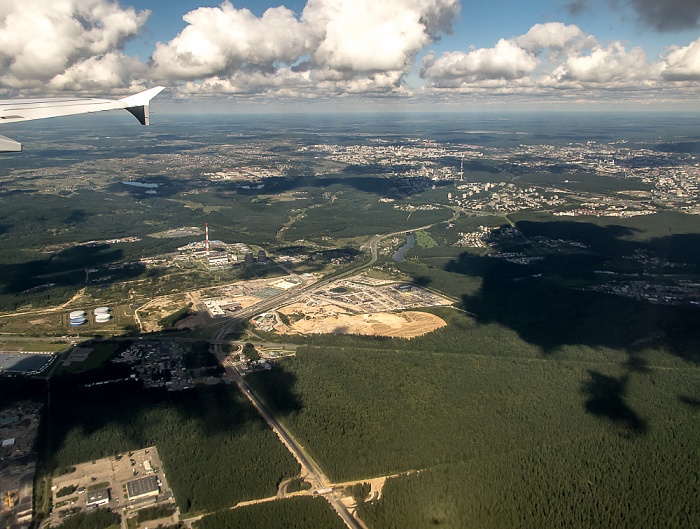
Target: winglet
[
  {"x": 137, "y": 104},
  {"x": 9, "y": 145}
]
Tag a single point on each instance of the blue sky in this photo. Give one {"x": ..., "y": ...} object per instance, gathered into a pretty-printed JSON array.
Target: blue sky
[
  {"x": 412, "y": 53},
  {"x": 479, "y": 24}
]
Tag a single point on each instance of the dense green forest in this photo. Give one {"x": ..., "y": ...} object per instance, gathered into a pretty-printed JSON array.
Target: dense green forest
[
  {"x": 29, "y": 276},
  {"x": 502, "y": 436},
  {"x": 292, "y": 513},
  {"x": 154, "y": 513},
  {"x": 540, "y": 405},
  {"x": 215, "y": 448},
  {"x": 99, "y": 519}
]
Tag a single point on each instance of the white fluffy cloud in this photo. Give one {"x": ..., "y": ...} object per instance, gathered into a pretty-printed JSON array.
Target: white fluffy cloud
[
  {"x": 341, "y": 45},
  {"x": 505, "y": 61},
  {"x": 606, "y": 65},
  {"x": 550, "y": 58},
  {"x": 367, "y": 35},
  {"x": 42, "y": 39},
  {"x": 330, "y": 48},
  {"x": 220, "y": 40},
  {"x": 101, "y": 73},
  {"x": 682, "y": 64},
  {"x": 554, "y": 35}
]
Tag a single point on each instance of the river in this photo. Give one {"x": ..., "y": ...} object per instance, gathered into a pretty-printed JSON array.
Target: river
[{"x": 410, "y": 243}]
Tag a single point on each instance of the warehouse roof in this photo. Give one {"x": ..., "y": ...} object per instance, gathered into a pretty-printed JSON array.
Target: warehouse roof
[{"x": 142, "y": 487}]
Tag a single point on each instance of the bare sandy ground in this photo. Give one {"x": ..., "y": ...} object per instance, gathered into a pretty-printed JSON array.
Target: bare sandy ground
[{"x": 402, "y": 325}]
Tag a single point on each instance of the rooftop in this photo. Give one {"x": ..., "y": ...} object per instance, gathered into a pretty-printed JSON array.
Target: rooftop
[
  {"x": 141, "y": 487},
  {"x": 98, "y": 496}
]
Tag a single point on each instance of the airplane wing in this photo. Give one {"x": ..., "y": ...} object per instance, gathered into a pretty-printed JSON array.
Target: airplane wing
[{"x": 15, "y": 110}]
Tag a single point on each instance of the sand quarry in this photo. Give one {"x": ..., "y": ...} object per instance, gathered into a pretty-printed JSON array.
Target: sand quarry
[{"x": 329, "y": 319}]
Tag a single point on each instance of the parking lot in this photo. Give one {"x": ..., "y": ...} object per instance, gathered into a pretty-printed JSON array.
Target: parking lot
[{"x": 112, "y": 473}]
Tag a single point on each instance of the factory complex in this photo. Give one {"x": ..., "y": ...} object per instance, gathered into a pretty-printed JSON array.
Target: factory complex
[{"x": 124, "y": 483}]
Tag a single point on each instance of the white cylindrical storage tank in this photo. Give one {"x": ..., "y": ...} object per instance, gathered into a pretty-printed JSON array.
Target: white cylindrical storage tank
[
  {"x": 102, "y": 310},
  {"x": 102, "y": 318},
  {"x": 77, "y": 314},
  {"x": 75, "y": 322}
]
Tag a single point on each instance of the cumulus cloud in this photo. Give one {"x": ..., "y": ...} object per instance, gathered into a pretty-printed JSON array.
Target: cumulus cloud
[
  {"x": 682, "y": 63},
  {"x": 548, "y": 57},
  {"x": 42, "y": 39},
  {"x": 100, "y": 73},
  {"x": 366, "y": 35},
  {"x": 363, "y": 35},
  {"x": 506, "y": 61},
  {"x": 355, "y": 44},
  {"x": 606, "y": 65},
  {"x": 331, "y": 48},
  {"x": 554, "y": 35},
  {"x": 224, "y": 39}
]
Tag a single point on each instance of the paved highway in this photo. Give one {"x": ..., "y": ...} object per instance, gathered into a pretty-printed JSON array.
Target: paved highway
[{"x": 314, "y": 473}]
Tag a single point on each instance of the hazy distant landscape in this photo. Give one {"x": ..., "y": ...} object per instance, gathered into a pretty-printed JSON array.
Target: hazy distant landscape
[{"x": 564, "y": 389}]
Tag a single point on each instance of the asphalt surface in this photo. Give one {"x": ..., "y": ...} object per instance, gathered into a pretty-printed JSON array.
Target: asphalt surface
[{"x": 315, "y": 474}]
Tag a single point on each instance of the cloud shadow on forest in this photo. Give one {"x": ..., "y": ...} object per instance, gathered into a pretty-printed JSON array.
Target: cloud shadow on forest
[
  {"x": 546, "y": 304},
  {"x": 365, "y": 181},
  {"x": 690, "y": 401},
  {"x": 605, "y": 398},
  {"x": 278, "y": 387},
  {"x": 62, "y": 271},
  {"x": 76, "y": 216},
  {"x": 206, "y": 411}
]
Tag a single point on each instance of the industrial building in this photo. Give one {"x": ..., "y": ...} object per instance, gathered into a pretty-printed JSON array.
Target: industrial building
[
  {"x": 219, "y": 259},
  {"x": 98, "y": 497},
  {"x": 142, "y": 488},
  {"x": 28, "y": 363}
]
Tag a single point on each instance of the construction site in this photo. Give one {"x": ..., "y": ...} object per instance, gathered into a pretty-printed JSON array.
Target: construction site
[
  {"x": 123, "y": 483},
  {"x": 359, "y": 305}
]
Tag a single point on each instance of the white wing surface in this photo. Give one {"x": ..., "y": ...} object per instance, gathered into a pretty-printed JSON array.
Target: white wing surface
[{"x": 16, "y": 110}]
